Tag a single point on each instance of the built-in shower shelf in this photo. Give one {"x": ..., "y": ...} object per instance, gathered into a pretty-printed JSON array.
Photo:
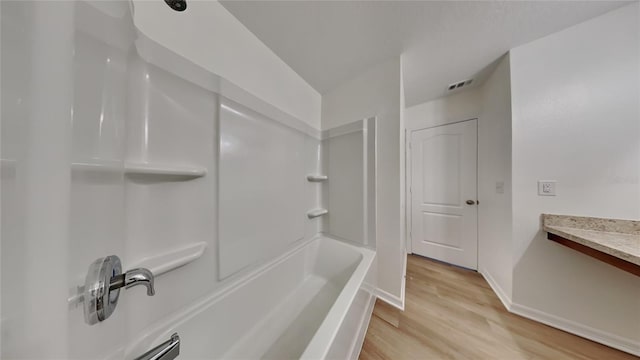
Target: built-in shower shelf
[
  {"x": 317, "y": 178},
  {"x": 164, "y": 170},
  {"x": 140, "y": 169},
  {"x": 173, "y": 259},
  {"x": 157, "y": 264},
  {"x": 316, "y": 213}
]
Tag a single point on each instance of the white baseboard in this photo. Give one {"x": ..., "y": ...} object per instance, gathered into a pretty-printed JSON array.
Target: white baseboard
[
  {"x": 617, "y": 342},
  {"x": 390, "y": 299},
  {"x": 362, "y": 331},
  {"x": 497, "y": 289}
]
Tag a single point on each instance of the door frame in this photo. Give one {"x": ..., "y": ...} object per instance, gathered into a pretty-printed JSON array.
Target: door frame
[{"x": 408, "y": 176}]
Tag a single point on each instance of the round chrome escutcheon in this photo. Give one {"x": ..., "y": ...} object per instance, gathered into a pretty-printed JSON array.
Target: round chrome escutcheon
[{"x": 99, "y": 301}]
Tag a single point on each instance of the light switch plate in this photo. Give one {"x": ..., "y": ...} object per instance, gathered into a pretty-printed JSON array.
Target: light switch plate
[
  {"x": 547, "y": 187},
  {"x": 500, "y": 187}
]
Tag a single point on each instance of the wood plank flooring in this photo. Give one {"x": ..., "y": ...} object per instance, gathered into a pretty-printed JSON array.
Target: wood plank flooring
[{"x": 452, "y": 313}]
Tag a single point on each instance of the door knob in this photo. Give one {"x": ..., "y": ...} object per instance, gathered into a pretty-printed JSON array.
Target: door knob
[
  {"x": 470, "y": 202},
  {"x": 102, "y": 287}
]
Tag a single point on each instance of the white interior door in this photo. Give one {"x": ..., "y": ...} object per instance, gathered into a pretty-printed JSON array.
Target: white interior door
[{"x": 443, "y": 193}]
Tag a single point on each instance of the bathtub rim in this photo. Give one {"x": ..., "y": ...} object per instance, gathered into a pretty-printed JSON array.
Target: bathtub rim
[
  {"x": 324, "y": 337},
  {"x": 162, "y": 329}
]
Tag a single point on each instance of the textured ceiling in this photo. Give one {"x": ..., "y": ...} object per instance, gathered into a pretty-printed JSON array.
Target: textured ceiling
[{"x": 441, "y": 42}]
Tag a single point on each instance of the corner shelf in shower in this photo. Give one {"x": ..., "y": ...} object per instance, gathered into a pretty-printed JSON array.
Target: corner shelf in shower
[
  {"x": 317, "y": 178},
  {"x": 172, "y": 259},
  {"x": 316, "y": 213}
]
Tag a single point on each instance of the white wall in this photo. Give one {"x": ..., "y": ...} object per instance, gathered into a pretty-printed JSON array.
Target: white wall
[
  {"x": 214, "y": 39},
  {"x": 376, "y": 93},
  {"x": 465, "y": 105},
  {"x": 574, "y": 102},
  {"x": 494, "y": 167},
  {"x": 576, "y": 120}
]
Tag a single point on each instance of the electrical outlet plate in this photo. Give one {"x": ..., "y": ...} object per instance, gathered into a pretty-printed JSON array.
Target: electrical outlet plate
[{"x": 547, "y": 187}]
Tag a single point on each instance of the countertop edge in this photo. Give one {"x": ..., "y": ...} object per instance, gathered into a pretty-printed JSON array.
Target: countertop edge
[{"x": 594, "y": 245}]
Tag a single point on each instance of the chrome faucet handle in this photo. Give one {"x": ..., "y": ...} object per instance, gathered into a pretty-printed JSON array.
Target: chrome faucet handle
[
  {"x": 134, "y": 277},
  {"x": 102, "y": 287}
]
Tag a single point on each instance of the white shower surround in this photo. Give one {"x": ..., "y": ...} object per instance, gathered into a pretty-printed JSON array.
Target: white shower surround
[
  {"x": 135, "y": 173},
  {"x": 306, "y": 297},
  {"x": 313, "y": 301}
]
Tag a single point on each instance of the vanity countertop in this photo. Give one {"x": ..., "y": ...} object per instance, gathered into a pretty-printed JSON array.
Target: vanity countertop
[{"x": 618, "y": 238}]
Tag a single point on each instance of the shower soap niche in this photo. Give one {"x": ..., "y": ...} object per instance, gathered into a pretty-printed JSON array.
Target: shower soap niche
[
  {"x": 172, "y": 259},
  {"x": 317, "y": 178},
  {"x": 316, "y": 213}
]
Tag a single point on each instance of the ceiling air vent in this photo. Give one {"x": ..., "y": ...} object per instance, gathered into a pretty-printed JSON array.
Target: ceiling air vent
[{"x": 458, "y": 85}]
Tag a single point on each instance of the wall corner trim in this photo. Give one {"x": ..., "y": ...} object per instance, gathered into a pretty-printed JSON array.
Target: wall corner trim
[
  {"x": 502, "y": 295},
  {"x": 390, "y": 299},
  {"x": 617, "y": 342}
]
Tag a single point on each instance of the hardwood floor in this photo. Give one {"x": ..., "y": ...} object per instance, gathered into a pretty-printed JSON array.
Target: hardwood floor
[{"x": 452, "y": 313}]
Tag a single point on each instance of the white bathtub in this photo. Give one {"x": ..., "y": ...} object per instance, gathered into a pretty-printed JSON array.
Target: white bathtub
[{"x": 312, "y": 303}]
